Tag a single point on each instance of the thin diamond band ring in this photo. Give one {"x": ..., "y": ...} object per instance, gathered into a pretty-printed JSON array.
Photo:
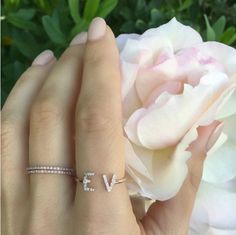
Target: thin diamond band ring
[
  {"x": 50, "y": 170},
  {"x": 86, "y": 180}
]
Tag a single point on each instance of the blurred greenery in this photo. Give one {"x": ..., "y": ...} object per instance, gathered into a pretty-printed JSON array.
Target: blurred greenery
[{"x": 31, "y": 26}]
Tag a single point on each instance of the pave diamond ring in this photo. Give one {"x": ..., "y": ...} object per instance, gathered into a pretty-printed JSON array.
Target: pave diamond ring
[
  {"x": 86, "y": 180},
  {"x": 50, "y": 170}
]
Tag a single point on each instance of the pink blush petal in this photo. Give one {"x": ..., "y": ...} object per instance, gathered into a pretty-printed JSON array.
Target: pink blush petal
[
  {"x": 170, "y": 87},
  {"x": 225, "y": 55},
  {"x": 166, "y": 125},
  {"x": 150, "y": 78}
]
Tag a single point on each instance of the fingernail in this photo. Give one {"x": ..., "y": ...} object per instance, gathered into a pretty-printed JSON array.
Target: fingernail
[
  {"x": 97, "y": 29},
  {"x": 81, "y": 38},
  {"x": 43, "y": 58},
  {"x": 214, "y": 136}
]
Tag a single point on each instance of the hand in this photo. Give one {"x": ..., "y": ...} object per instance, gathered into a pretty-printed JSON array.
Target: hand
[{"x": 68, "y": 113}]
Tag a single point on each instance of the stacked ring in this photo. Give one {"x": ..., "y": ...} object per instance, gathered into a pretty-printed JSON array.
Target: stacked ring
[
  {"x": 50, "y": 170},
  {"x": 71, "y": 172}
]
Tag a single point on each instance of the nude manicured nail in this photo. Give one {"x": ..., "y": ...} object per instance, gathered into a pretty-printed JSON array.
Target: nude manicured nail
[
  {"x": 43, "y": 58},
  {"x": 214, "y": 136},
  {"x": 97, "y": 29},
  {"x": 79, "y": 39}
]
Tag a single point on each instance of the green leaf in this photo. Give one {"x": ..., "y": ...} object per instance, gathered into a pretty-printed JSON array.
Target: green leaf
[
  {"x": 21, "y": 23},
  {"x": 210, "y": 33},
  {"x": 26, "y": 14},
  {"x": 74, "y": 10},
  {"x": 82, "y": 26},
  {"x": 141, "y": 4},
  {"x": 200, "y": 2},
  {"x": 232, "y": 40},
  {"x": 126, "y": 13},
  {"x": 185, "y": 5},
  {"x": 128, "y": 27},
  {"x": 228, "y": 37},
  {"x": 52, "y": 28},
  {"x": 219, "y": 26},
  {"x": 90, "y": 9},
  {"x": 26, "y": 44},
  {"x": 156, "y": 16},
  {"x": 106, "y": 7},
  {"x": 11, "y": 4},
  {"x": 140, "y": 24},
  {"x": 44, "y": 5}
]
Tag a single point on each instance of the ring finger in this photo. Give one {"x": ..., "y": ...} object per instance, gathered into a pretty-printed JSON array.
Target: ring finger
[{"x": 52, "y": 142}]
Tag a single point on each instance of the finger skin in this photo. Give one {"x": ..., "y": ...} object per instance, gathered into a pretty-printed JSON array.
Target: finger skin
[
  {"x": 14, "y": 146},
  {"x": 98, "y": 114},
  {"x": 52, "y": 143},
  {"x": 99, "y": 142},
  {"x": 172, "y": 216}
]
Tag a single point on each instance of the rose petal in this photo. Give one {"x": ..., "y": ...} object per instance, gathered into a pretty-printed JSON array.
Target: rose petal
[
  {"x": 166, "y": 125},
  {"x": 131, "y": 126},
  {"x": 203, "y": 229},
  {"x": 220, "y": 165},
  {"x": 167, "y": 167},
  {"x": 129, "y": 73},
  {"x": 227, "y": 107},
  {"x": 130, "y": 100},
  {"x": 175, "y": 32},
  {"x": 170, "y": 87},
  {"x": 133, "y": 161},
  {"x": 215, "y": 207},
  {"x": 168, "y": 176},
  {"x": 149, "y": 79},
  {"x": 229, "y": 185},
  {"x": 136, "y": 53},
  {"x": 122, "y": 39},
  {"x": 221, "y": 108},
  {"x": 224, "y": 54},
  {"x": 214, "y": 231}
]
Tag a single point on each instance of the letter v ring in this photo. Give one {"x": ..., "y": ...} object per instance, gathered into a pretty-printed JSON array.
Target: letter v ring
[{"x": 87, "y": 179}]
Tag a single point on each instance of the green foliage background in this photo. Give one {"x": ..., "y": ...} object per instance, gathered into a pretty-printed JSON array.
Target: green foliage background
[{"x": 31, "y": 26}]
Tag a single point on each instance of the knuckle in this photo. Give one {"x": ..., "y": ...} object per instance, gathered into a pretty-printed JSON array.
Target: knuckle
[
  {"x": 71, "y": 53},
  {"x": 8, "y": 134},
  {"x": 94, "y": 120},
  {"x": 46, "y": 112},
  {"x": 29, "y": 74},
  {"x": 24, "y": 78},
  {"x": 95, "y": 60}
]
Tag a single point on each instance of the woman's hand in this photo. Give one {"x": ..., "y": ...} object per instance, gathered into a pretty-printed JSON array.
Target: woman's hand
[{"x": 68, "y": 113}]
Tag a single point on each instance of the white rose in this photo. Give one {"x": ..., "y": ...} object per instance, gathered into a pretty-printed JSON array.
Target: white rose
[{"x": 173, "y": 82}]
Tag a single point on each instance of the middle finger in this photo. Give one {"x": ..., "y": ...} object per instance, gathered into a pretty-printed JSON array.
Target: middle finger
[{"x": 52, "y": 138}]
